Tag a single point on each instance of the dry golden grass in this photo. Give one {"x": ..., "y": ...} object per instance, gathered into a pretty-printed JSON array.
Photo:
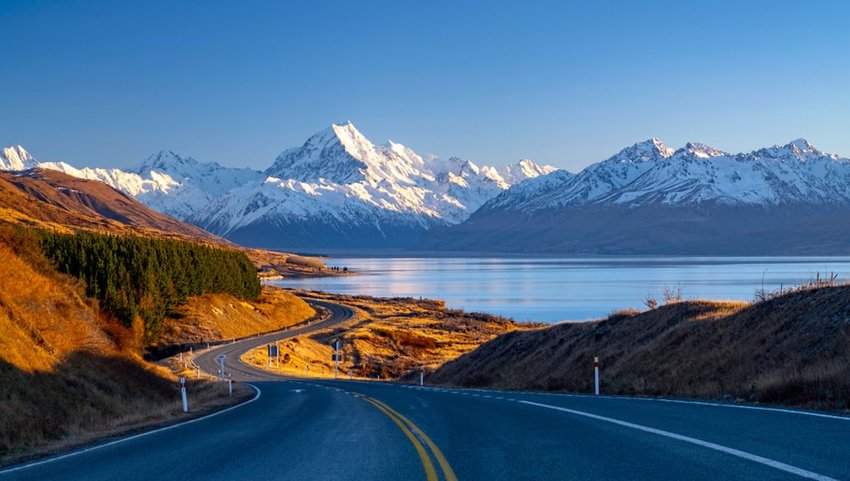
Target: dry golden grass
[
  {"x": 70, "y": 373},
  {"x": 791, "y": 349},
  {"x": 212, "y": 317},
  {"x": 387, "y": 339}
]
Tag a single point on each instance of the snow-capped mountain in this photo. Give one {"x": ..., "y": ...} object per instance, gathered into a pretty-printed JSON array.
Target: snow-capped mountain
[
  {"x": 16, "y": 158},
  {"x": 337, "y": 190},
  {"x": 648, "y": 173},
  {"x": 175, "y": 185},
  {"x": 340, "y": 189},
  {"x": 649, "y": 198}
]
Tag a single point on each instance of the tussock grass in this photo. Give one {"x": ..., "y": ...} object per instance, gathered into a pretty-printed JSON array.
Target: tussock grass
[
  {"x": 212, "y": 317},
  {"x": 791, "y": 349},
  {"x": 69, "y": 372},
  {"x": 388, "y": 338}
]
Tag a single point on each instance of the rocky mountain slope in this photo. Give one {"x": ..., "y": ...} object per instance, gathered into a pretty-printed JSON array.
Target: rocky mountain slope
[{"x": 650, "y": 199}]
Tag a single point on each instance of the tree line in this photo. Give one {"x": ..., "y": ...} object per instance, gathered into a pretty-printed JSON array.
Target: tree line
[{"x": 143, "y": 277}]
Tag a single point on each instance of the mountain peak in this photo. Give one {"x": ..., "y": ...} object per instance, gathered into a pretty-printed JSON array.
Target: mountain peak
[
  {"x": 802, "y": 146},
  {"x": 339, "y": 154},
  {"x": 166, "y": 161},
  {"x": 649, "y": 150},
  {"x": 15, "y": 157},
  {"x": 525, "y": 169},
  {"x": 701, "y": 150}
]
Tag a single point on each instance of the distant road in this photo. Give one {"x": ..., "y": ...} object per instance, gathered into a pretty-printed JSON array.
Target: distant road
[
  {"x": 341, "y": 430},
  {"x": 206, "y": 360}
]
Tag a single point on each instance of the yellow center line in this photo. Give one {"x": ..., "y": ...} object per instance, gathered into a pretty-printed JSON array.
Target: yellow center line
[
  {"x": 427, "y": 464},
  {"x": 448, "y": 472}
]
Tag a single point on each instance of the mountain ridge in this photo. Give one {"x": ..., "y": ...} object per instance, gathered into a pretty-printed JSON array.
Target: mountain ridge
[
  {"x": 337, "y": 189},
  {"x": 649, "y": 199}
]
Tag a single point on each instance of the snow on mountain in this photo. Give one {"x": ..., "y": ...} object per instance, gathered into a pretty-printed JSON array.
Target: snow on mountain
[
  {"x": 791, "y": 199},
  {"x": 16, "y": 157},
  {"x": 523, "y": 170},
  {"x": 650, "y": 173},
  {"x": 178, "y": 186},
  {"x": 337, "y": 181},
  {"x": 340, "y": 177}
]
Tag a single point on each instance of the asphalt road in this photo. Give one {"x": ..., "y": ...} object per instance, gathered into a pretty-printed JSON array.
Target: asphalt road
[
  {"x": 207, "y": 360},
  {"x": 342, "y": 430}
]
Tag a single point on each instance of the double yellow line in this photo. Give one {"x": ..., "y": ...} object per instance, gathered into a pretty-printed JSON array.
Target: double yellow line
[{"x": 414, "y": 434}]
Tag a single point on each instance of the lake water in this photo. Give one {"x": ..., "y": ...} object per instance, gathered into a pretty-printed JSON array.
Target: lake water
[{"x": 551, "y": 290}]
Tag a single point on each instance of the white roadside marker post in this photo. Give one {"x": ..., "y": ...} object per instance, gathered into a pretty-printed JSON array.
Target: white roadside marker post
[
  {"x": 183, "y": 394},
  {"x": 596, "y": 376},
  {"x": 221, "y": 372},
  {"x": 421, "y": 378},
  {"x": 230, "y": 385},
  {"x": 336, "y": 360},
  {"x": 197, "y": 372}
]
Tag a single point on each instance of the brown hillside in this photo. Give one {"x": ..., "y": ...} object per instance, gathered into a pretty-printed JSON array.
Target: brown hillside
[
  {"x": 794, "y": 349},
  {"x": 388, "y": 338},
  {"x": 46, "y": 198},
  {"x": 54, "y": 200},
  {"x": 213, "y": 317},
  {"x": 66, "y": 368}
]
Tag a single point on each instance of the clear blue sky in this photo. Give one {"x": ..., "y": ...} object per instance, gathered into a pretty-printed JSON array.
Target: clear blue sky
[{"x": 107, "y": 83}]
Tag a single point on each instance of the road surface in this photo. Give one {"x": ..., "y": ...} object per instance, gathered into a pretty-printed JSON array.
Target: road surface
[
  {"x": 207, "y": 361},
  {"x": 341, "y": 430}
]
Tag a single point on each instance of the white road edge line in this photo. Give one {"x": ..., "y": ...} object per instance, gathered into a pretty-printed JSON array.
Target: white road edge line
[
  {"x": 706, "y": 444},
  {"x": 130, "y": 438},
  {"x": 755, "y": 408},
  {"x": 800, "y": 412}
]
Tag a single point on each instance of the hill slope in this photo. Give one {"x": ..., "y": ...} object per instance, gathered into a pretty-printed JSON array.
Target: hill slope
[
  {"x": 67, "y": 369},
  {"x": 791, "y": 349},
  {"x": 46, "y": 198}
]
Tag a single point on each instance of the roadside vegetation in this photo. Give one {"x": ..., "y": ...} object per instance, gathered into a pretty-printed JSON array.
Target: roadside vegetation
[
  {"x": 72, "y": 369},
  {"x": 388, "y": 338},
  {"x": 790, "y": 348},
  {"x": 212, "y": 317},
  {"x": 136, "y": 277}
]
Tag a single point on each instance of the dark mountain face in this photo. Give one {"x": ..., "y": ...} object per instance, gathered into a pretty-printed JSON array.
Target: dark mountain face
[{"x": 703, "y": 229}]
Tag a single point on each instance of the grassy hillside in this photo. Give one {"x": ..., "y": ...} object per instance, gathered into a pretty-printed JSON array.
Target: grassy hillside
[
  {"x": 71, "y": 370},
  {"x": 791, "y": 349},
  {"x": 388, "y": 338},
  {"x": 70, "y": 352},
  {"x": 56, "y": 201},
  {"x": 68, "y": 370},
  {"x": 223, "y": 316}
]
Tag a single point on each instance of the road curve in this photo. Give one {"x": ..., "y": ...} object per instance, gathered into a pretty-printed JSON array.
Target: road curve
[
  {"x": 311, "y": 429},
  {"x": 240, "y": 371}
]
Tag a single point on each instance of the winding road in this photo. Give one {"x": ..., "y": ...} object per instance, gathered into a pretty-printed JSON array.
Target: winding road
[{"x": 303, "y": 429}]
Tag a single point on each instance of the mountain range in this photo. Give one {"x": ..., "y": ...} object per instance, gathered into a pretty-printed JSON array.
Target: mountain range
[
  {"x": 340, "y": 190},
  {"x": 651, "y": 199},
  {"x": 336, "y": 190}
]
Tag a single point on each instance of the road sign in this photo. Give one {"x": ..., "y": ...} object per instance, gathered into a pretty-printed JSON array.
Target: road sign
[
  {"x": 337, "y": 357},
  {"x": 273, "y": 350}
]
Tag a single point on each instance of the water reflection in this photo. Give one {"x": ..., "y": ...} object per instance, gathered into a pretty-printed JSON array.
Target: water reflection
[{"x": 550, "y": 290}]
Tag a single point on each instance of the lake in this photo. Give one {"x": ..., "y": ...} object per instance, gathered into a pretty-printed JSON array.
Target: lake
[{"x": 556, "y": 289}]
